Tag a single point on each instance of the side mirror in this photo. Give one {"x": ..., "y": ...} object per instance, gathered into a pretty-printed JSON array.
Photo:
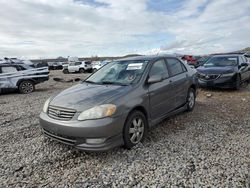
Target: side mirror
[
  {"x": 243, "y": 64},
  {"x": 154, "y": 79}
]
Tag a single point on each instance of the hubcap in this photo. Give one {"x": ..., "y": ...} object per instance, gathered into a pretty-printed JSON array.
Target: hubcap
[
  {"x": 136, "y": 130},
  {"x": 191, "y": 99},
  {"x": 27, "y": 87}
]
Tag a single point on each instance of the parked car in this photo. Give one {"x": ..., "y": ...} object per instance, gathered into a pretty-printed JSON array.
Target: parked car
[
  {"x": 190, "y": 60},
  {"x": 116, "y": 105},
  {"x": 224, "y": 71},
  {"x": 202, "y": 61},
  {"x": 21, "y": 77},
  {"x": 79, "y": 66},
  {"x": 99, "y": 65},
  {"x": 55, "y": 65}
]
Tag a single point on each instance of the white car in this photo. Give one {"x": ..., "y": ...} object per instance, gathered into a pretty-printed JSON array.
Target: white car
[
  {"x": 78, "y": 66},
  {"x": 99, "y": 65}
]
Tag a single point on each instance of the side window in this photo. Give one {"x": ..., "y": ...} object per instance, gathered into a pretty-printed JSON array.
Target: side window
[
  {"x": 240, "y": 60},
  {"x": 175, "y": 66},
  {"x": 243, "y": 59},
  {"x": 72, "y": 64},
  {"x": 78, "y": 63},
  {"x": 9, "y": 69},
  {"x": 246, "y": 60},
  {"x": 159, "y": 68}
]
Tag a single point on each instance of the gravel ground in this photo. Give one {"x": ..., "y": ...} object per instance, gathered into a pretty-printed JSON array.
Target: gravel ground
[{"x": 209, "y": 147}]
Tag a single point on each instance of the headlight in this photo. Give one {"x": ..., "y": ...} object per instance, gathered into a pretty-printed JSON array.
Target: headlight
[
  {"x": 97, "y": 112},
  {"x": 46, "y": 105},
  {"x": 227, "y": 75}
]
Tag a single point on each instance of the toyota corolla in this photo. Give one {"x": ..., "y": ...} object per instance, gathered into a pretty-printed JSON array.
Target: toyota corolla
[{"x": 116, "y": 105}]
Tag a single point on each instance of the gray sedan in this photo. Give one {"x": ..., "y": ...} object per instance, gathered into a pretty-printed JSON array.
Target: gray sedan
[{"x": 117, "y": 105}]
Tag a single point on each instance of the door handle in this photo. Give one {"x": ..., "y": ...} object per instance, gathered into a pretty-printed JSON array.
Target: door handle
[{"x": 170, "y": 81}]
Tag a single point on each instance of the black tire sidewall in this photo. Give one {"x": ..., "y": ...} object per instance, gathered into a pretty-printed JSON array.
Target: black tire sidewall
[
  {"x": 81, "y": 70},
  {"x": 20, "y": 86},
  {"x": 188, "y": 107},
  {"x": 238, "y": 83},
  {"x": 127, "y": 143}
]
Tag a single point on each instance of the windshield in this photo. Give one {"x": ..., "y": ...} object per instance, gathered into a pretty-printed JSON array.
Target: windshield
[
  {"x": 119, "y": 72},
  {"x": 222, "y": 61}
]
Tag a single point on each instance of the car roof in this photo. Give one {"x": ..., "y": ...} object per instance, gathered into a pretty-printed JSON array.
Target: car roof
[
  {"x": 11, "y": 64},
  {"x": 145, "y": 57}
]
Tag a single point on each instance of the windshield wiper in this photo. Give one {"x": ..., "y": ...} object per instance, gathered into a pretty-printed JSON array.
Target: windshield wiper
[
  {"x": 90, "y": 82},
  {"x": 113, "y": 83}
]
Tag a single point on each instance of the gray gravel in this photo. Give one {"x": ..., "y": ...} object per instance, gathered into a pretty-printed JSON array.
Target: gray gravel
[{"x": 209, "y": 147}]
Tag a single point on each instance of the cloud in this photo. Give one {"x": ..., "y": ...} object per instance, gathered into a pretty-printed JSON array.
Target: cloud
[{"x": 45, "y": 28}]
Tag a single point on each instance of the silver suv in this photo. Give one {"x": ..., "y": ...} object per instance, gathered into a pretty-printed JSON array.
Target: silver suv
[{"x": 21, "y": 77}]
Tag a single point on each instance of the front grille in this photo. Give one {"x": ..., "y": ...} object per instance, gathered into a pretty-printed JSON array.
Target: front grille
[
  {"x": 208, "y": 77},
  {"x": 60, "y": 113}
]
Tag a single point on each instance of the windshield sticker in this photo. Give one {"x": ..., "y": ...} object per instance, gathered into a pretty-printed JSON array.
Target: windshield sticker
[
  {"x": 232, "y": 58},
  {"x": 134, "y": 66}
]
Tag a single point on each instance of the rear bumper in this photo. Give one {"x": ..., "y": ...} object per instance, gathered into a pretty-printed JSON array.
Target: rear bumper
[{"x": 77, "y": 133}]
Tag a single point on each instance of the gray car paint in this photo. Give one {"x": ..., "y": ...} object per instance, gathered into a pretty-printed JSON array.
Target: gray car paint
[{"x": 158, "y": 100}]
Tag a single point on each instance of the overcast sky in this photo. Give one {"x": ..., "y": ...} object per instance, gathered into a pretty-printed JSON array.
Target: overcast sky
[{"x": 52, "y": 28}]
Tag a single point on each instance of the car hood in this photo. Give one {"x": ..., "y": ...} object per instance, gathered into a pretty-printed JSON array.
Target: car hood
[
  {"x": 84, "y": 96},
  {"x": 216, "y": 70}
]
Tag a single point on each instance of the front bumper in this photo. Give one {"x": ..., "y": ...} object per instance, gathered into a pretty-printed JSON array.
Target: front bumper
[
  {"x": 221, "y": 82},
  {"x": 76, "y": 133}
]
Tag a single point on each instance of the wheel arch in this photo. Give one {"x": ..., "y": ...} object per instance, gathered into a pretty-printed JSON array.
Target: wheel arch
[
  {"x": 141, "y": 109},
  {"x": 21, "y": 80}
]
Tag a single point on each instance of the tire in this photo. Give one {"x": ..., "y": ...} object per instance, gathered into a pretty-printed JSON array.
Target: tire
[
  {"x": 191, "y": 100},
  {"x": 135, "y": 129},
  {"x": 65, "y": 71},
  {"x": 238, "y": 83},
  {"x": 26, "y": 87},
  {"x": 82, "y": 71},
  {"x": 94, "y": 70}
]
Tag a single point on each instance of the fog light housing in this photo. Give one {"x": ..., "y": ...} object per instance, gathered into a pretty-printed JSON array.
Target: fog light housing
[{"x": 95, "y": 140}]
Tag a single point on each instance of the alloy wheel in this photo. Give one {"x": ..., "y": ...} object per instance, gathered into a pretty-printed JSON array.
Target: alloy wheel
[
  {"x": 191, "y": 99},
  {"x": 136, "y": 130}
]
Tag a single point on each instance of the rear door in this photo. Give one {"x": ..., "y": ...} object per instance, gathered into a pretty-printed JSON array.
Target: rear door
[
  {"x": 179, "y": 80},
  {"x": 71, "y": 67},
  {"x": 8, "y": 77},
  {"x": 160, "y": 94}
]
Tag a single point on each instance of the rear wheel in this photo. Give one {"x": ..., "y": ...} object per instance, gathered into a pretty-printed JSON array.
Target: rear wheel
[
  {"x": 135, "y": 129},
  {"x": 81, "y": 70},
  {"x": 191, "y": 99},
  {"x": 65, "y": 71},
  {"x": 26, "y": 87}
]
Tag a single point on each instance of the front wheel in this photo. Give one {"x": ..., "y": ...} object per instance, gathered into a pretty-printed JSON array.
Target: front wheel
[
  {"x": 26, "y": 87},
  {"x": 191, "y": 99},
  {"x": 238, "y": 83},
  {"x": 135, "y": 129}
]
